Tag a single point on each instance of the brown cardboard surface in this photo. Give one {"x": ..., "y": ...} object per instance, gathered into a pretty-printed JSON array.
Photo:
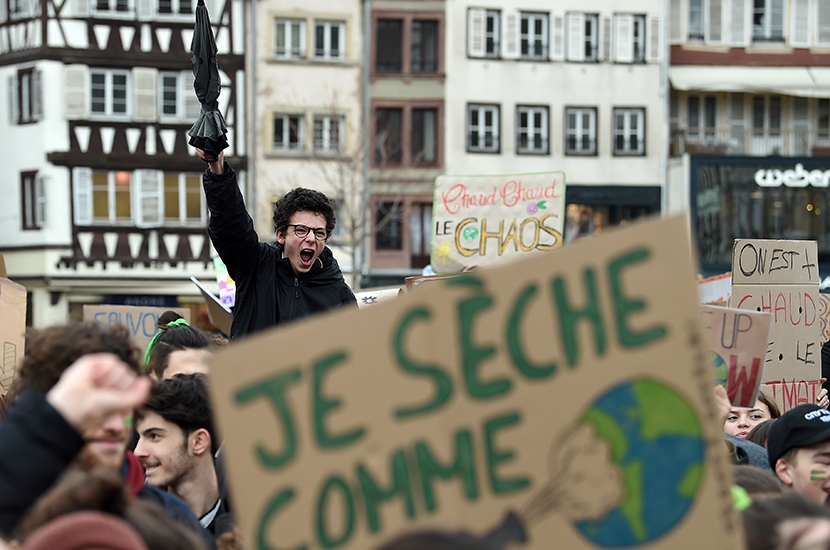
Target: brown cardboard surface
[
  {"x": 763, "y": 261},
  {"x": 220, "y": 316},
  {"x": 739, "y": 340},
  {"x": 489, "y": 220},
  {"x": 490, "y": 393},
  {"x": 140, "y": 321},
  {"x": 12, "y": 330},
  {"x": 792, "y": 368},
  {"x": 824, "y": 317}
]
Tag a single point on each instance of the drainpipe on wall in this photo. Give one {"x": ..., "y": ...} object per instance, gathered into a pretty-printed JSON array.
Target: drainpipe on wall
[
  {"x": 367, "y": 196},
  {"x": 252, "y": 119},
  {"x": 664, "y": 199}
]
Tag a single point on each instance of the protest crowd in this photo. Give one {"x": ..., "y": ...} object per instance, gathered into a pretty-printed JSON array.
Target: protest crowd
[{"x": 107, "y": 446}]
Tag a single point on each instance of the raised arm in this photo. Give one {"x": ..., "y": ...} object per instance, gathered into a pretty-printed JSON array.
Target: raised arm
[{"x": 231, "y": 228}]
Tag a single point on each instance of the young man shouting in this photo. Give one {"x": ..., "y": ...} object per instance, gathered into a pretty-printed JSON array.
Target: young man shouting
[
  {"x": 278, "y": 283},
  {"x": 799, "y": 450},
  {"x": 177, "y": 445}
]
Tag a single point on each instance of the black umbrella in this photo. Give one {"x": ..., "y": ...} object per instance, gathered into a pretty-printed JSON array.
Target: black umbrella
[{"x": 209, "y": 132}]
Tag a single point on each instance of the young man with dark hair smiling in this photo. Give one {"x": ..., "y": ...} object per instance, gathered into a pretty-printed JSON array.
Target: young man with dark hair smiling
[
  {"x": 275, "y": 284},
  {"x": 177, "y": 446}
]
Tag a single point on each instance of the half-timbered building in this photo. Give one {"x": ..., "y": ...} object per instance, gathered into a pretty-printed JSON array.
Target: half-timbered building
[{"x": 102, "y": 197}]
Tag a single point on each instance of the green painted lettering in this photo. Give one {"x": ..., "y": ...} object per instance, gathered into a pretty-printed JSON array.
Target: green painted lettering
[
  {"x": 463, "y": 466},
  {"x": 569, "y": 317},
  {"x": 472, "y": 355},
  {"x": 442, "y": 382},
  {"x": 279, "y": 501},
  {"x": 323, "y": 536},
  {"x": 323, "y": 406},
  {"x": 274, "y": 389},
  {"x": 494, "y": 456},
  {"x": 372, "y": 494},
  {"x": 623, "y": 306},
  {"x": 514, "y": 344}
]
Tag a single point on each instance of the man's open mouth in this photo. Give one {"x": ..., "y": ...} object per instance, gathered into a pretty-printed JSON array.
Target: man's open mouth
[{"x": 306, "y": 256}]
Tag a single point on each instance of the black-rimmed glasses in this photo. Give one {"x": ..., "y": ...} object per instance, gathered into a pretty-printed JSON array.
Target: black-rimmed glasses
[{"x": 320, "y": 233}]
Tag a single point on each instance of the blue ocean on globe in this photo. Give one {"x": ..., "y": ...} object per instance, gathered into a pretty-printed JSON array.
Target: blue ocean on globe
[{"x": 656, "y": 441}]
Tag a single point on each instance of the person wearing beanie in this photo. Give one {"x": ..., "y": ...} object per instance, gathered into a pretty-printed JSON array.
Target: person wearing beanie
[
  {"x": 85, "y": 530},
  {"x": 798, "y": 447}
]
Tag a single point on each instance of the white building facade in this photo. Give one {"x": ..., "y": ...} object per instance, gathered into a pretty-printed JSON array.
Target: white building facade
[
  {"x": 307, "y": 113},
  {"x": 576, "y": 86},
  {"x": 103, "y": 199},
  {"x": 751, "y": 99}
]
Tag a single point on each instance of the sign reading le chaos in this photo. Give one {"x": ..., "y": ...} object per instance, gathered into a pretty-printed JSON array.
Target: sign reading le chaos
[
  {"x": 486, "y": 220},
  {"x": 564, "y": 401},
  {"x": 781, "y": 278}
]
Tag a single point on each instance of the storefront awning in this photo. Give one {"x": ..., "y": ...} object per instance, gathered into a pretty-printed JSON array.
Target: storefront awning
[{"x": 794, "y": 81}]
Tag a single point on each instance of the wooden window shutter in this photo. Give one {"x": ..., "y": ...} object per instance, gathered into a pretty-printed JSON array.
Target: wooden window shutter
[
  {"x": 76, "y": 91},
  {"x": 576, "y": 37},
  {"x": 510, "y": 46},
  {"x": 476, "y": 19},
  {"x": 557, "y": 46},
  {"x": 82, "y": 195},
  {"x": 145, "y": 98}
]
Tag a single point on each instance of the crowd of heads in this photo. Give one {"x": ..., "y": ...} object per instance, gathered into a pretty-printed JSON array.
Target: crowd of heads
[{"x": 141, "y": 473}]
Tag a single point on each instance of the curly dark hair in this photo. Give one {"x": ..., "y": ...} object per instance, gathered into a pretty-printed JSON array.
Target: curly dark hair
[
  {"x": 51, "y": 351},
  {"x": 182, "y": 400},
  {"x": 301, "y": 199}
]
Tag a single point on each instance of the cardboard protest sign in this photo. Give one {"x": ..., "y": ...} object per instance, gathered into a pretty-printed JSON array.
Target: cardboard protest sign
[
  {"x": 219, "y": 315},
  {"x": 824, "y": 317},
  {"x": 715, "y": 290},
  {"x": 12, "y": 327},
  {"x": 566, "y": 399},
  {"x": 781, "y": 278},
  {"x": 227, "y": 286},
  {"x": 487, "y": 220},
  {"x": 141, "y": 321},
  {"x": 375, "y": 296},
  {"x": 738, "y": 346}
]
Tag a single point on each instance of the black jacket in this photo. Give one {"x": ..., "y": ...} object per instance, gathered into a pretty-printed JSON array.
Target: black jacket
[
  {"x": 267, "y": 291},
  {"x": 36, "y": 445}
]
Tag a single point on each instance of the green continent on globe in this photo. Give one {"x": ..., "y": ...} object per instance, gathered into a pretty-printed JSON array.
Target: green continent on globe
[
  {"x": 608, "y": 430},
  {"x": 663, "y": 413},
  {"x": 632, "y": 504}
]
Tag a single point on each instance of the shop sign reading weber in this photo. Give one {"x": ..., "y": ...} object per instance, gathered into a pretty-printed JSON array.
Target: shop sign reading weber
[{"x": 799, "y": 177}]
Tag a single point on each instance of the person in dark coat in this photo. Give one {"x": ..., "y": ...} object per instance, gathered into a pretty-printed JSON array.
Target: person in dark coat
[
  {"x": 275, "y": 283},
  {"x": 42, "y": 434},
  {"x": 50, "y": 352}
]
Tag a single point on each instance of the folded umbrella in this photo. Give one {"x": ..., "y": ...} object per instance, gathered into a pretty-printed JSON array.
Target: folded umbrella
[{"x": 209, "y": 133}]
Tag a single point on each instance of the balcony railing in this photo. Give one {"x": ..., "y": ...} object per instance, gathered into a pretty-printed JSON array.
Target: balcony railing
[{"x": 750, "y": 142}]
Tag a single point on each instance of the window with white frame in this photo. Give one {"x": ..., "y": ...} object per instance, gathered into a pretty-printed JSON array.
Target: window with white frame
[
  {"x": 766, "y": 115},
  {"x": 638, "y": 38},
  {"x": 109, "y": 92},
  {"x": 701, "y": 118},
  {"x": 580, "y": 131},
  {"x": 328, "y": 133},
  {"x": 289, "y": 38},
  {"x": 33, "y": 200},
  {"x": 424, "y": 136},
  {"x": 329, "y": 40},
  {"x": 25, "y": 96},
  {"x": 176, "y": 98},
  {"x": 183, "y": 199},
  {"x": 532, "y": 130},
  {"x": 629, "y": 131},
  {"x": 492, "y": 36},
  {"x": 177, "y": 7},
  {"x": 534, "y": 36},
  {"x": 22, "y": 9},
  {"x": 113, "y": 6},
  {"x": 483, "y": 128},
  {"x": 591, "y": 37},
  {"x": 112, "y": 197},
  {"x": 696, "y": 20},
  {"x": 768, "y": 20},
  {"x": 288, "y": 132}
]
